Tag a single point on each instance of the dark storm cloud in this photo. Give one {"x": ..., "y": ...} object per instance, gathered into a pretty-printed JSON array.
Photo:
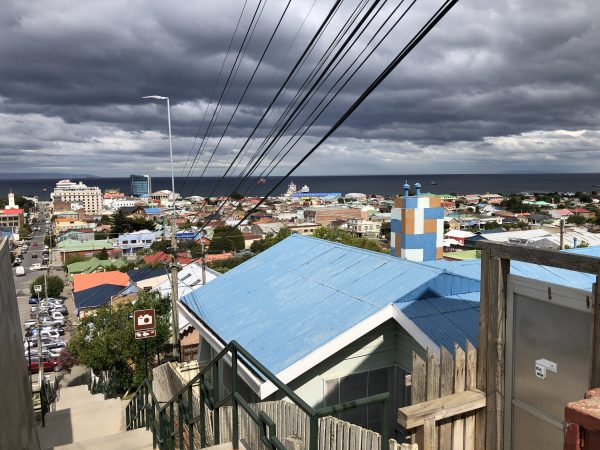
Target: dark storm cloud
[{"x": 499, "y": 84}]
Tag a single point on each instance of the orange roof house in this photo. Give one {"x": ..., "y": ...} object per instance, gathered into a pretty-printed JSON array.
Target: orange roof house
[{"x": 89, "y": 280}]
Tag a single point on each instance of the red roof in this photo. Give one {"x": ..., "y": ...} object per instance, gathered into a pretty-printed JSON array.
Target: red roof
[
  {"x": 12, "y": 212},
  {"x": 218, "y": 256},
  {"x": 165, "y": 257},
  {"x": 579, "y": 210},
  {"x": 84, "y": 281}
]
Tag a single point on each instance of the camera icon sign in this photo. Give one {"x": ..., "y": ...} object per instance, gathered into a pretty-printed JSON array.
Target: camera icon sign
[{"x": 144, "y": 319}]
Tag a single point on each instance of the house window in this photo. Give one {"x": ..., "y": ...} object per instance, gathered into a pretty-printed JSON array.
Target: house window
[
  {"x": 125, "y": 242},
  {"x": 133, "y": 241},
  {"x": 366, "y": 384}
]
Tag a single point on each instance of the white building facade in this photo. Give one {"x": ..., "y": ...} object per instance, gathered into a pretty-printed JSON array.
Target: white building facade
[{"x": 89, "y": 197}]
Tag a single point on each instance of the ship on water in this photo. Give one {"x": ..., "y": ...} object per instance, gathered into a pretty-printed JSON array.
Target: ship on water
[{"x": 292, "y": 189}]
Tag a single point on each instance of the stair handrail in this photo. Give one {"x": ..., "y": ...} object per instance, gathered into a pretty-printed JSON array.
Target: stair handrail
[{"x": 264, "y": 421}]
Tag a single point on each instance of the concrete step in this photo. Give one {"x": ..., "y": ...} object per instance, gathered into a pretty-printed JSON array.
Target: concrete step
[
  {"x": 226, "y": 446},
  {"x": 72, "y": 397},
  {"x": 139, "y": 439},
  {"x": 82, "y": 422}
]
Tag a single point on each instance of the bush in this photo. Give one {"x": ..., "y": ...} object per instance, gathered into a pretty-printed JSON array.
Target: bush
[{"x": 55, "y": 286}]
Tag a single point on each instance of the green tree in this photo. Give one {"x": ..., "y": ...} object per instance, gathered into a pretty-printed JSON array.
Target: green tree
[
  {"x": 24, "y": 231},
  {"x": 119, "y": 223},
  {"x": 55, "y": 286},
  {"x": 106, "y": 340},
  {"x": 74, "y": 258},
  {"x": 50, "y": 240},
  {"x": 576, "y": 219},
  {"x": 225, "y": 265},
  {"x": 102, "y": 254},
  {"x": 160, "y": 246},
  {"x": 236, "y": 196},
  {"x": 226, "y": 239},
  {"x": 262, "y": 244},
  {"x": 344, "y": 237}
]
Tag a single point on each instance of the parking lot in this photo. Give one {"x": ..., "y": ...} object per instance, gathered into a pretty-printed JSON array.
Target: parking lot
[{"x": 23, "y": 283}]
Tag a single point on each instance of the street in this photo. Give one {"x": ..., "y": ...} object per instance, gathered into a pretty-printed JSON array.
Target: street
[{"x": 23, "y": 283}]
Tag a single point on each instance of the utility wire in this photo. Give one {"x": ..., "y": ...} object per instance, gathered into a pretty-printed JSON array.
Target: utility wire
[
  {"x": 417, "y": 38},
  {"x": 214, "y": 89},
  {"x": 308, "y": 96},
  {"x": 232, "y": 73},
  {"x": 298, "y": 63}
]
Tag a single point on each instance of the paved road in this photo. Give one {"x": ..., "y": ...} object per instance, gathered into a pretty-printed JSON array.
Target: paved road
[{"x": 23, "y": 283}]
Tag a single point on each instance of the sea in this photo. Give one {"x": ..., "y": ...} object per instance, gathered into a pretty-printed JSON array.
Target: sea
[{"x": 387, "y": 185}]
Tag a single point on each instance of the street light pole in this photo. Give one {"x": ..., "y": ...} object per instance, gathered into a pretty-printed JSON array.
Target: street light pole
[{"x": 174, "y": 277}]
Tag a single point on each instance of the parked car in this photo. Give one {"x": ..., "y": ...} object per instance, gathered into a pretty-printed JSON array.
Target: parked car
[
  {"x": 49, "y": 364},
  {"x": 20, "y": 271},
  {"x": 35, "y": 266},
  {"x": 29, "y": 323},
  {"x": 34, "y": 255},
  {"x": 17, "y": 261},
  {"x": 33, "y": 300},
  {"x": 35, "y": 244}
]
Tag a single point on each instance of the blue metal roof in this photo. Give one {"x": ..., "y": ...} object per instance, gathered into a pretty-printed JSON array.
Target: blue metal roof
[
  {"x": 569, "y": 278},
  {"x": 145, "y": 273},
  {"x": 446, "y": 320},
  {"x": 96, "y": 296},
  {"x": 293, "y": 298}
]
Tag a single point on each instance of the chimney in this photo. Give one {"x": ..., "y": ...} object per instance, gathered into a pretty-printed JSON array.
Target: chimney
[{"x": 417, "y": 226}]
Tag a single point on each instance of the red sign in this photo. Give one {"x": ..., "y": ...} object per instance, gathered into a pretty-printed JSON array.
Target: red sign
[
  {"x": 144, "y": 319},
  {"x": 145, "y": 334}
]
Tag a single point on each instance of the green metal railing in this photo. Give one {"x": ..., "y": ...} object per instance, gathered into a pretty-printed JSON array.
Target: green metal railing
[
  {"x": 102, "y": 384},
  {"x": 145, "y": 411},
  {"x": 48, "y": 395}
]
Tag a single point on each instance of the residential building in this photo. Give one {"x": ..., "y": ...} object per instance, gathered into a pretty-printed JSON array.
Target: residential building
[
  {"x": 64, "y": 224},
  {"x": 89, "y": 197},
  {"x": 93, "y": 290},
  {"x": 266, "y": 229},
  {"x": 305, "y": 229},
  {"x": 325, "y": 215},
  {"x": 131, "y": 243},
  {"x": 364, "y": 228},
  {"x": 164, "y": 197},
  {"x": 328, "y": 357},
  {"x": 94, "y": 265},
  {"x": 492, "y": 199},
  {"x": 12, "y": 219},
  {"x": 88, "y": 248},
  {"x": 140, "y": 185}
]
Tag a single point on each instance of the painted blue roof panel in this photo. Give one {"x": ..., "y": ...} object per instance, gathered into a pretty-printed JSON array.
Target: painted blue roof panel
[
  {"x": 96, "y": 296},
  {"x": 446, "y": 320},
  {"x": 298, "y": 295}
]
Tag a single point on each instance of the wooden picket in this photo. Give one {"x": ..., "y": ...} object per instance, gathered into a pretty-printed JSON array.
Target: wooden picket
[{"x": 444, "y": 400}]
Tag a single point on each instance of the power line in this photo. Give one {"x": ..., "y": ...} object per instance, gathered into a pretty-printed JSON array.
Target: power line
[
  {"x": 298, "y": 63},
  {"x": 232, "y": 73},
  {"x": 213, "y": 90},
  {"x": 418, "y": 37},
  {"x": 311, "y": 91}
]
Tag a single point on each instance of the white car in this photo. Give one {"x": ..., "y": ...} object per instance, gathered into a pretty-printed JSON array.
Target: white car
[
  {"x": 35, "y": 266},
  {"x": 20, "y": 271}
]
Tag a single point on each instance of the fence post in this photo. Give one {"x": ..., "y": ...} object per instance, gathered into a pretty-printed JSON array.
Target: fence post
[
  {"x": 234, "y": 403},
  {"x": 202, "y": 397},
  {"x": 216, "y": 396},
  {"x": 385, "y": 424},
  {"x": 314, "y": 432},
  {"x": 191, "y": 413}
]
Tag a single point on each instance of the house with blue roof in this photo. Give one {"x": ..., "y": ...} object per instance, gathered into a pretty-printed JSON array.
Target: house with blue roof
[{"x": 323, "y": 317}]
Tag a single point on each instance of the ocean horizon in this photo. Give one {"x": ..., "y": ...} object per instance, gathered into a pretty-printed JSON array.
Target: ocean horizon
[{"x": 387, "y": 185}]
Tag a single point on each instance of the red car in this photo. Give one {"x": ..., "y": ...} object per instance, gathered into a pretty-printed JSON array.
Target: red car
[
  {"x": 35, "y": 244},
  {"x": 49, "y": 364}
]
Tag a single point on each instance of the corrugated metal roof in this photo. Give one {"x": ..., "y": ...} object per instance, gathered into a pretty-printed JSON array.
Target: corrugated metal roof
[
  {"x": 293, "y": 298},
  {"x": 96, "y": 296},
  {"x": 569, "y": 278},
  {"x": 446, "y": 320}
]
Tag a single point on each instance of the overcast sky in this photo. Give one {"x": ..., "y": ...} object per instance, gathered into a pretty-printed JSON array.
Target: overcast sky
[{"x": 508, "y": 85}]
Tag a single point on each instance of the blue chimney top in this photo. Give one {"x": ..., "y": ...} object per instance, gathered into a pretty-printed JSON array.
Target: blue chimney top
[
  {"x": 406, "y": 188},
  {"x": 418, "y": 189}
]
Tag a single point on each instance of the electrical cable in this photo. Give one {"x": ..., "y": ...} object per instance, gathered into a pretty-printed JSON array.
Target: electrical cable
[
  {"x": 417, "y": 38},
  {"x": 214, "y": 89}
]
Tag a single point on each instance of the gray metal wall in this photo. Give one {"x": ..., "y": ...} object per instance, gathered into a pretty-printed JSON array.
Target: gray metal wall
[{"x": 17, "y": 424}]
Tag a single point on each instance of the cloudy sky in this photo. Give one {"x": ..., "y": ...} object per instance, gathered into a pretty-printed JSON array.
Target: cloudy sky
[{"x": 508, "y": 85}]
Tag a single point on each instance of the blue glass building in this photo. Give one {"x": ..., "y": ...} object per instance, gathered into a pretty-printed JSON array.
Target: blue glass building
[{"x": 140, "y": 185}]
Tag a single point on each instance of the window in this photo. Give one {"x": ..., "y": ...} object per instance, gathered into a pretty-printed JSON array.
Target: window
[
  {"x": 366, "y": 384},
  {"x": 125, "y": 242},
  {"x": 133, "y": 241}
]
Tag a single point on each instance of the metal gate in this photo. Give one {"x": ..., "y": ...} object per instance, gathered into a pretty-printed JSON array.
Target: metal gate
[{"x": 548, "y": 360}]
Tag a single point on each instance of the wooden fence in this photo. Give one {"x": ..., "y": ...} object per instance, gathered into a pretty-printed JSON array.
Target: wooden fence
[
  {"x": 444, "y": 399},
  {"x": 292, "y": 424}
]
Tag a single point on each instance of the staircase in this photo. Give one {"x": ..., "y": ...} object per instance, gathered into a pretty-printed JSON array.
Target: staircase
[{"x": 84, "y": 421}]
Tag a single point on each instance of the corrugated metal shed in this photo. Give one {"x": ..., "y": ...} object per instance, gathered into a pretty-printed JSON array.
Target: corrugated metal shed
[{"x": 300, "y": 294}]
